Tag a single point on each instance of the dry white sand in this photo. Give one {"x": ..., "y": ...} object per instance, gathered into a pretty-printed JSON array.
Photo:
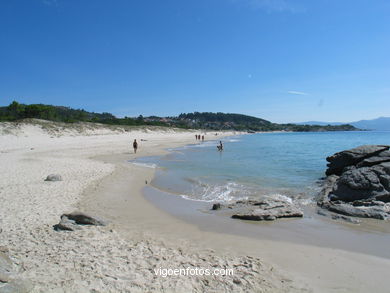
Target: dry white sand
[
  {"x": 122, "y": 256},
  {"x": 98, "y": 259}
]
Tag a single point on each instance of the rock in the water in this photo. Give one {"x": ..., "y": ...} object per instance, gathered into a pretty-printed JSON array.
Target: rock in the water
[
  {"x": 262, "y": 210},
  {"x": 53, "y": 177},
  {"x": 216, "y": 206},
  {"x": 71, "y": 222},
  {"x": 340, "y": 160}
]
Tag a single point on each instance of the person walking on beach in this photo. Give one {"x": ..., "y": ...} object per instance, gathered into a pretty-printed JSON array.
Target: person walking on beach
[
  {"x": 135, "y": 146},
  {"x": 196, "y": 136},
  {"x": 202, "y": 137}
]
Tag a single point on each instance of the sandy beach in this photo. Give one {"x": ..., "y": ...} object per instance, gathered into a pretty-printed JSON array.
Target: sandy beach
[{"x": 140, "y": 237}]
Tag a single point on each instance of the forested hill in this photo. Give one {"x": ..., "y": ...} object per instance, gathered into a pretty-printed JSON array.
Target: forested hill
[
  {"x": 206, "y": 120},
  {"x": 223, "y": 120}
]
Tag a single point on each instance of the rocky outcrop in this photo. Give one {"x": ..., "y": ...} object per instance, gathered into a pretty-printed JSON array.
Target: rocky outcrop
[
  {"x": 260, "y": 210},
  {"x": 352, "y": 157},
  {"x": 71, "y": 222},
  {"x": 358, "y": 183},
  {"x": 53, "y": 177}
]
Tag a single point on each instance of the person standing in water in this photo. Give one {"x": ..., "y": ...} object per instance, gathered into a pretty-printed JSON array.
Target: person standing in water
[
  {"x": 220, "y": 146},
  {"x": 135, "y": 146}
]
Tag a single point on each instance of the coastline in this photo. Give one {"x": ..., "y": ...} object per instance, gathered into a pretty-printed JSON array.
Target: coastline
[
  {"x": 323, "y": 269},
  {"x": 140, "y": 237}
]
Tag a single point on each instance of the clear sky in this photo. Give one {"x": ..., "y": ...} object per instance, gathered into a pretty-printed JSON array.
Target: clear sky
[{"x": 281, "y": 60}]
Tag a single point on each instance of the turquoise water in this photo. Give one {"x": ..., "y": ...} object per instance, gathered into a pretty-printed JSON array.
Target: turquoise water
[{"x": 256, "y": 165}]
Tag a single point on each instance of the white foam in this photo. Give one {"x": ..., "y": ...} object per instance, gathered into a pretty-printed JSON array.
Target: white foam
[
  {"x": 146, "y": 165},
  {"x": 223, "y": 193}
]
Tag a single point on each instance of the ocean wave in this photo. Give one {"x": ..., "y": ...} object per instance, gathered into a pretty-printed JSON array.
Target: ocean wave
[
  {"x": 202, "y": 191},
  {"x": 232, "y": 191},
  {"x": 201, "y": 145},
  {"x": 146, "y": 165}
]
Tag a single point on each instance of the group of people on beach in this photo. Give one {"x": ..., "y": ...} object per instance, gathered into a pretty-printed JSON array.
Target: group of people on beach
[
  {"x": 198, "y": 137},
  {"x": 201, "y": 137}
]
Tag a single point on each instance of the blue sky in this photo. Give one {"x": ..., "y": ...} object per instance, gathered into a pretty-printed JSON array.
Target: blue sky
[{"x": 281, "y": 60}]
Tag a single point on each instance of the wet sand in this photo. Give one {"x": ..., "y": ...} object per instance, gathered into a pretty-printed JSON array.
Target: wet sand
[
  {"x": 315, "y": 253},
  {"x": 369, "y": 237}
]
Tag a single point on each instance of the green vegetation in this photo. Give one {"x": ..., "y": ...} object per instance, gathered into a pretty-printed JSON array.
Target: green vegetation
[
  {"x": 16, "y": 111},
  {"x": 196, "y": 120}
]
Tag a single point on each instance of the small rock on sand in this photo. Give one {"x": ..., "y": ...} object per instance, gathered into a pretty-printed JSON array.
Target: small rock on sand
[
  {"x": 53, "y": 177},
  {"x": 71, "y": 222}
]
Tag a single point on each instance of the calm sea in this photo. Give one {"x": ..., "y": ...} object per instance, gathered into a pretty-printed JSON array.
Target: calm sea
[{"x": 286, "y": 165}]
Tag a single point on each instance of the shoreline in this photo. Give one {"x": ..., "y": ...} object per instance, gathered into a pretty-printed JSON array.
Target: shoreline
[
  {"x": 327, "y": 261},
  {"x": 121, "y": 256},
  {"x": 312, "y": 229}
]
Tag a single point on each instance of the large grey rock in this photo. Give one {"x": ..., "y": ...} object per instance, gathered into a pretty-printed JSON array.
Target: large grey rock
[
  {"x": 358, "y": 184},
  {"x": 261, "y": 210},
  {"x": 53, "y": 177},
  {"x": 340, "y": 160},
  {"x": 361, "y": 187}
]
